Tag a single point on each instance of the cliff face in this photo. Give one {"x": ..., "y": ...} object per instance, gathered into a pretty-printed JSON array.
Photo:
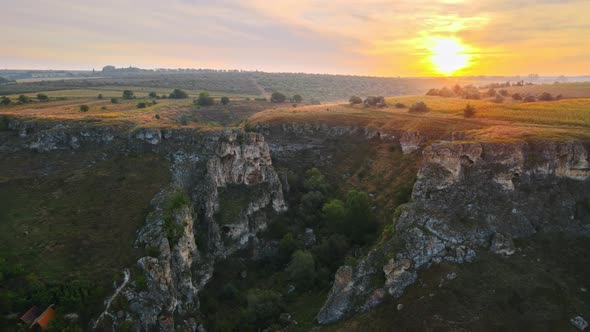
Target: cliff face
[{"x": 469, "y": 197}]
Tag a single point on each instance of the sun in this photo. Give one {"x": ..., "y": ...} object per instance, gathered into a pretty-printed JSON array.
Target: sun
[{"x": 448, "y": 55}]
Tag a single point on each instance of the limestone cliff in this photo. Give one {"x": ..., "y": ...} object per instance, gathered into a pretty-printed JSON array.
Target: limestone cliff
[{"x": 469, "y": 197}]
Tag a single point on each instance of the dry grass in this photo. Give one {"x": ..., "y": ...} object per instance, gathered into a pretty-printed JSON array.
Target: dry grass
[{"x": 565, "y": 119}]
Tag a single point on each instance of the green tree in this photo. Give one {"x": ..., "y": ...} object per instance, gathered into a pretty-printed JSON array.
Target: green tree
[
  {"x": 5, "y": 101},
  {"x": 334, "y": 214},
  {"x": 141, "y": 105},
  {"x": 278, "y": 97},
  {"x": 360, "y": 221},
  {"x": 301, "y": 269},
  {"x": 84, "y": 108},
  {"x": 224, "y": 100},
  {"x": 23, "y": 99},
  {"x": 287, "y": 246},
  {"x": 153, "y": 95},
  {"x": 355, "y": 100},
  {"x": 315, "y": 181},
  {"x": 100, "y": 96},
  {"x": 297, "y": 98},
  {"x": 204, "y": 99},
  {"x": 114, "y": 100},
  {"x": 178, "y": 94},
  {"x": 42, "y": 97},
  {"x": 128, "y": 94},
  {"x": 419, "y": 107}
]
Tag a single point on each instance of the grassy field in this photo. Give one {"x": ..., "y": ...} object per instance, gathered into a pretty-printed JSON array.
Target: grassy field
[
  {"x": 564, "y": 119},
  {"x": 567, "y": 90}
]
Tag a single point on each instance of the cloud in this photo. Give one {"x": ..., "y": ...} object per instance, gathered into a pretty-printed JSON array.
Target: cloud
[{"x": 343, "y": 36}]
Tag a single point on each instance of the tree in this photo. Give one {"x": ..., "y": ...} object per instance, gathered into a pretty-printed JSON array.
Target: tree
[
  {"x": 204, "y": 99},
  {"x": 153, "y": 95},
  {"x": 504, "y": 92},
  {"x": 301, "y": 269},
  {"x": 42, "y": 97},
  {"x": 546, "y": 96},
  {"x": 178, "y": 94},
  {"x": 128, "y": 94},
  {"x": 360, "y": 220},
  {"x": 334, "y": 215},
  {"x": 315, "y": 181},
  {"x": 224, "y": 100},
  {"x": 141, "y": 105},
  {"x": 445, "y": 92},
  {"x": 23, "y": 99},
  {"x": 5, "y": 101},
  {"x": 419, "y": 107},
  {"x": 355, "y": 100},
  {"x": 516, "y": 96},
  {"x": 114, "y": 101},
  {"x": 433, "y": 92},
  {"x": 287, "y": 246},
  {"x": 491, "y": 92},
  {"x": 400, "y": 105},
  {"x": 100, "y": 96},
  {"x": 469, "y": 111},
  {"x": 278, "y": 97},
  {"x": 529, "y": 99},
  {"x": 297, "y": 98},
  {"x": 84, "y": 108}
]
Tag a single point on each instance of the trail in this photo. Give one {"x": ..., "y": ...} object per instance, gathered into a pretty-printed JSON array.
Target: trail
[{"x": 110, "y": 300}]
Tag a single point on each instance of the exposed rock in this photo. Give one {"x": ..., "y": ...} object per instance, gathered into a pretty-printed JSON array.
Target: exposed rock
[
  {"x": 411, "y": 141},
  {"x": 579, "y": 322},
  {"x": 502, "y": 245},
  {"x": 309, "y": 238}
]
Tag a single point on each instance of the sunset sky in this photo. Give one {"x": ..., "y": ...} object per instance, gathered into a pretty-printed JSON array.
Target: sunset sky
[{"x": 374, "y": 37}]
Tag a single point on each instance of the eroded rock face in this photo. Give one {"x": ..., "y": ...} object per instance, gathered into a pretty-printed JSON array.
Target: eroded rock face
[{"x": 468, "y": 197}]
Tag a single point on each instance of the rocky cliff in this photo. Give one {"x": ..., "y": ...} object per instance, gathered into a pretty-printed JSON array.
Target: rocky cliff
[{"x": 469, "y": 197}]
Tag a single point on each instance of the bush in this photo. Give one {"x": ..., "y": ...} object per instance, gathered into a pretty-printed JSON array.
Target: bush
[
  {"x": 287, "y": 247},
  {"x": 419, "y": 107},
  {"x": 100, "y": 96},
  {"x": 352, "y": 218},
  {"x": 5, "y": 101},
  {"x": 178, "y": 94},
  {"x": 529, "y": 99},
  {"x": 204, "y": 99},
  {"x": 153, "y": 95},
  {"x": 331, "y": 251},
  {"x": 114, "y": 101},
  {"x": 355, "y": 100},
  {"x": 84, "y": 108},
  {"x": 503, "y": 93},
  {"x": 23, "y": 99},
  {"x": 278, "y": 97},
  {"x": 378, "y": 101},
  {"x": 516, "y": 96},
  {"x": 499, "y": 99},
  {"x": 469, "y": 111},
  {"x": 157, "y": 116},
  {"x": 42, "y": 97},
  {"x": 545, "y": 96},
  {"x": 297, "y": 98},
  {"x": 104, "y": 108},
  {"x": 141, "y": 105},
  {"x": 224, "y": 100},
  {"x": 400, "y": 105},
  {"x": 264, "y": 307},
  {"x": 183, "y": 119},
  {"x": 558, "y": 97},
  {"x": 128, "y": 94},
  {"x": 301, "y": 269},
  {"x": 315, "y": 181},
  {"x": 491, "y": 92}
]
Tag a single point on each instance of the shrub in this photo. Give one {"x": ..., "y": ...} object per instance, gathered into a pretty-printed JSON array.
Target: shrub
[
  {"x": 84, "y": 108},
  {"x": 297, "y": 98},
  {"x": 224, "y": 100},
  {"x": 153, "y": 95},
  {"x": 183, "y": 119},
  {"x": 529, "y": 99},
  {"x": 100, "y": 96},
  {"x": 178, "y": 94},
  {"x": 355, "y": 100},
  {"x": 5, "y": 101},
  {"x": 378, "y": 101},
  {"x": 103, "y": 108},
  {"x": 277, "y": 97},
  {"x": 128, "y": 94},
  {"x": 42, "y": 97},
  {"x": 469, "y": 111},
  {"x": 503, "y": 93},
  {"x": 23, "y": 99},
  {"x": 545, "y": 96},
  {"x": 204, "y": 99},
  {"x": 419, "y": 107},
  {"x": 141, "y": 105},
  {"x": 114, "y": 100},
  {"x": 301, "y": 269},
  {"x": 157, "y": 116},
  {"x": 516, "y": 96},
  {"x": 249, "y": 127},
  {"x": 499, "y": 99},
  {"x": 400, "y": 105}
]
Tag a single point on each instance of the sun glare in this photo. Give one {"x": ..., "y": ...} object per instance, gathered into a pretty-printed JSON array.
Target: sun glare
[{"x": 448, "y": 55}]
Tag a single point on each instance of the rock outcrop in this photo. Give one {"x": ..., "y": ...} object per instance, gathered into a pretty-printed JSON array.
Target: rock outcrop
[{"x": 468, "y": 197}]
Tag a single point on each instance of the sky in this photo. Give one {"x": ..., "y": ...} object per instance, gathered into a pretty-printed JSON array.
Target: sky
[{"x": 371, "y": 37}]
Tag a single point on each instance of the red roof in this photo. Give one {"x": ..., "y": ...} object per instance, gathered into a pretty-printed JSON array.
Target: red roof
[
  {"x": 45, "y": 317},
  {"x": 31, "y": 315}
]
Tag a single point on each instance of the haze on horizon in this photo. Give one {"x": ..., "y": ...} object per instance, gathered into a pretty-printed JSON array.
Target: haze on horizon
[{"x": 383, "y": 38}]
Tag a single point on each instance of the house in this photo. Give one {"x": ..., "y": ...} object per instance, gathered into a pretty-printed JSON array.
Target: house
[{"x": 38, "y": 319}]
